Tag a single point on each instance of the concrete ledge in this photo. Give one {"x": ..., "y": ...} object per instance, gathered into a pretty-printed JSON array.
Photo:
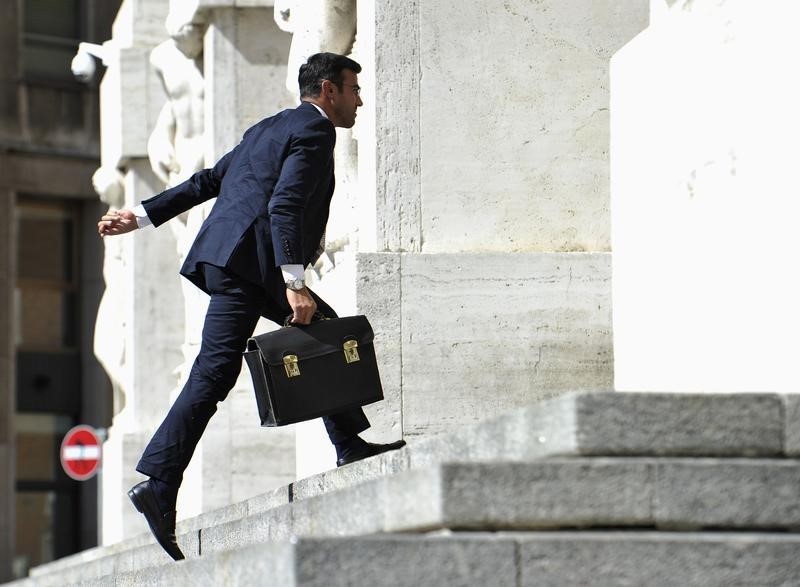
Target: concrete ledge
[
  {"x": 792, "y": 424},
  {"x": 340, "y": 478},
  {"x": 735, "y": 493},
  {"x": 658, "y": 559},
  {"x": 334, "y": 562},
  {"x": 620, "y": 423},
  {"x": 599, "y": 492},
  {"x": 742, "y": 424},
  {"x": 551, "y": 494},
  {"x": 501, "y": 559}
]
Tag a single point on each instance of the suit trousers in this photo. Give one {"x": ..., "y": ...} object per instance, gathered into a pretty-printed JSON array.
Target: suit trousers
[{"x": 234, "y": 308}]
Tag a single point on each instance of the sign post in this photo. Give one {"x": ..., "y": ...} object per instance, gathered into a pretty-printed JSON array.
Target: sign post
[{"x": 80, "y": 453}]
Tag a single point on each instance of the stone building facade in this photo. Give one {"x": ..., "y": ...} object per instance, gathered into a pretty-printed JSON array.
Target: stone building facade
[{"x": 503, "y": 150}]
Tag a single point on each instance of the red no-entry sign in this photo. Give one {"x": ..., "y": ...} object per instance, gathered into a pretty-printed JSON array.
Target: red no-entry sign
[{"x": 80, "y": 453}]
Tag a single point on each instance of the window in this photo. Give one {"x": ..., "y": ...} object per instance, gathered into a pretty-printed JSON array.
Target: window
[
  {"x": 46, "y": 500},
  {"x": 51, "y": 30},
  {"x": 48, "y": 367},
  {"x": 47, "y": 277}
]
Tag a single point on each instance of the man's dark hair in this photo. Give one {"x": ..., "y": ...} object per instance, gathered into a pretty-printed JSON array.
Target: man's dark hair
[{"x": 322, "y": 66}]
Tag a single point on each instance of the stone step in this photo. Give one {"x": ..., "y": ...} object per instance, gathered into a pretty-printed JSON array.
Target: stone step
[
  {"x": 671, "y": 493},
  {"x": 598, "y": 424},
  {"x": 499, "y": 559},
  {"x": 571, "y": 425},
  {"x": 588, "y": 492},
  {"x": 629, "y": 424}
]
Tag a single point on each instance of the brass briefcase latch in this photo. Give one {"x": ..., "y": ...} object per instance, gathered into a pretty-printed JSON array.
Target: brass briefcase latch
[
  {"x": 351, "y": 351},
  {"x": 291, "y": 366}
]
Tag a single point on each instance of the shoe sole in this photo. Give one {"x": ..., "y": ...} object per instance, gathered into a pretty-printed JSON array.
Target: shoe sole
[
  {"x": 138, "y": 505},
  {"x": 396, "y": 445}
]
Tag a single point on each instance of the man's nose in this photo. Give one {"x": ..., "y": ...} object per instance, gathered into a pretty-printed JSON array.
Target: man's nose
[{"x": 359, "y": 103}]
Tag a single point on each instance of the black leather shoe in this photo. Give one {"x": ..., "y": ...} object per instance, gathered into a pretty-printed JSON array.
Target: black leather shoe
[
  {"x": 161, "y": 525},
  {"x": 369, "y": 450}
]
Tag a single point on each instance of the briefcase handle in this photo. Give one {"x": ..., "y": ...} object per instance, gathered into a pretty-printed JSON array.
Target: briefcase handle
[{"x": 287, "y": 323}]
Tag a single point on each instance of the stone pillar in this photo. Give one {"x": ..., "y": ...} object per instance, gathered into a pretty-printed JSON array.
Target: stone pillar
[
  {"x": 491, "y": 283},
  {"x": 704, "y": 199},
  {"x": 144, "y": 328},
  {"x": 152, "y": 307}
]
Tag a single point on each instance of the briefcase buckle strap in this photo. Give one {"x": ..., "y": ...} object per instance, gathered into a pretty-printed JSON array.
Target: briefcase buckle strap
[
  {"x": 351, "y": 351},
  {"x": 291, "y": 366}
]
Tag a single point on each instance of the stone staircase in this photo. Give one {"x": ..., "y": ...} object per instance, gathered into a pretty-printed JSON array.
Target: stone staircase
[{"x": 583, "y": 489}]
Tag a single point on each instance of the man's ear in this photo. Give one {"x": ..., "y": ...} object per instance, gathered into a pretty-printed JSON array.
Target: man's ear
[{"x": 327, "y": 88}]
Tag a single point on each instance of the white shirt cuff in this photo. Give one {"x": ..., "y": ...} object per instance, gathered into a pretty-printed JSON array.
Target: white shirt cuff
[
  {"x": 141, "y": 216},
  {"x": 293, "y": 272}
]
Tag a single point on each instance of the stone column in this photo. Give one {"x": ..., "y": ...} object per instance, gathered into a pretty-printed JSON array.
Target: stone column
[
  {"x": 139, "y": 340},
  {"x": 152, "y": 328},
  {"x": 704, "y": 199},
  {"x": 488, "y": 277}
]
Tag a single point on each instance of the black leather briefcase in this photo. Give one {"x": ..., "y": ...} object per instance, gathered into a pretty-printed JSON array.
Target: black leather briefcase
[{"x": 304, "y": 372}]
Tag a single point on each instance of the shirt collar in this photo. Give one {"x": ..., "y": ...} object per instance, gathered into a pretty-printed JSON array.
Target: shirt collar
[{"x": 321, "y": 111}]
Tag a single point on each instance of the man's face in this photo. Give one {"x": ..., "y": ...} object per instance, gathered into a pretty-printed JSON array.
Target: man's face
[{"x": 346, "y": 101}]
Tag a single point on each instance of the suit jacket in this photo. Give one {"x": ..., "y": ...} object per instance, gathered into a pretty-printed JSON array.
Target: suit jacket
[{"x": 273, "y": 194}]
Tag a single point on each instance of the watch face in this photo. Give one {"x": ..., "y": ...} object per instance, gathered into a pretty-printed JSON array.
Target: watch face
[{"x": 296, "y": 284}]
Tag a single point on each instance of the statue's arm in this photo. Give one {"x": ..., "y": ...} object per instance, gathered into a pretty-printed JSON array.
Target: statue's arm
[{"x": 161, "y": 145}]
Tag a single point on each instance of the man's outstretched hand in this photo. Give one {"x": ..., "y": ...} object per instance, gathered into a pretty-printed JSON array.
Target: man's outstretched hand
[
  {"x": 116, "y": 222},
  {"x": 303, "y": 305}
]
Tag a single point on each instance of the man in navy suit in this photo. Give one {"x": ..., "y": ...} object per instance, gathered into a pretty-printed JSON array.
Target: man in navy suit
[{"x": 273, "y": 194}]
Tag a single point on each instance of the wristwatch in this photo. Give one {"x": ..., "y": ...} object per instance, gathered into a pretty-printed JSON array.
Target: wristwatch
[{"x": 296, "y": 284}]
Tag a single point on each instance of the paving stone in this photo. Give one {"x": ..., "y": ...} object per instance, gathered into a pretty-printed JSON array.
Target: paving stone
[
  {"x": 746, "y": 424},
  {"x": 542, "y": 559},
  {"x": 406, "y": 560},
  {"x": 344, "y": 562},
  {"x": 619, "y": 424},
  {"x": 658, "y": 559},
  {"x": 791, "y": 406},
  {"x": 341, "y": 477},
  {"x": 730, "y": 493}
]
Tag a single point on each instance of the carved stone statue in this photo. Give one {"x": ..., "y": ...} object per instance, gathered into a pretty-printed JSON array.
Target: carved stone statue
[
  {"x": 176, "y": 146},
  {"x": 109, "y": 339},
  {"x": 316, "y": 25}
]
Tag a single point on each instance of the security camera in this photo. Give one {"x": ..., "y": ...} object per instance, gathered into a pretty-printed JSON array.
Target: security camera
[{"x": 83, "y": 66}]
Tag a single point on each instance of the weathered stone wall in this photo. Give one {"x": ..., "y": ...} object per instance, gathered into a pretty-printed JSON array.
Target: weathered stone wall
[
  {"x": 494, "y": 123},
  {"x": 492, "y": 283},
  {"x": 704, "y": 199},
  {"x": 468, "y": 345}
]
